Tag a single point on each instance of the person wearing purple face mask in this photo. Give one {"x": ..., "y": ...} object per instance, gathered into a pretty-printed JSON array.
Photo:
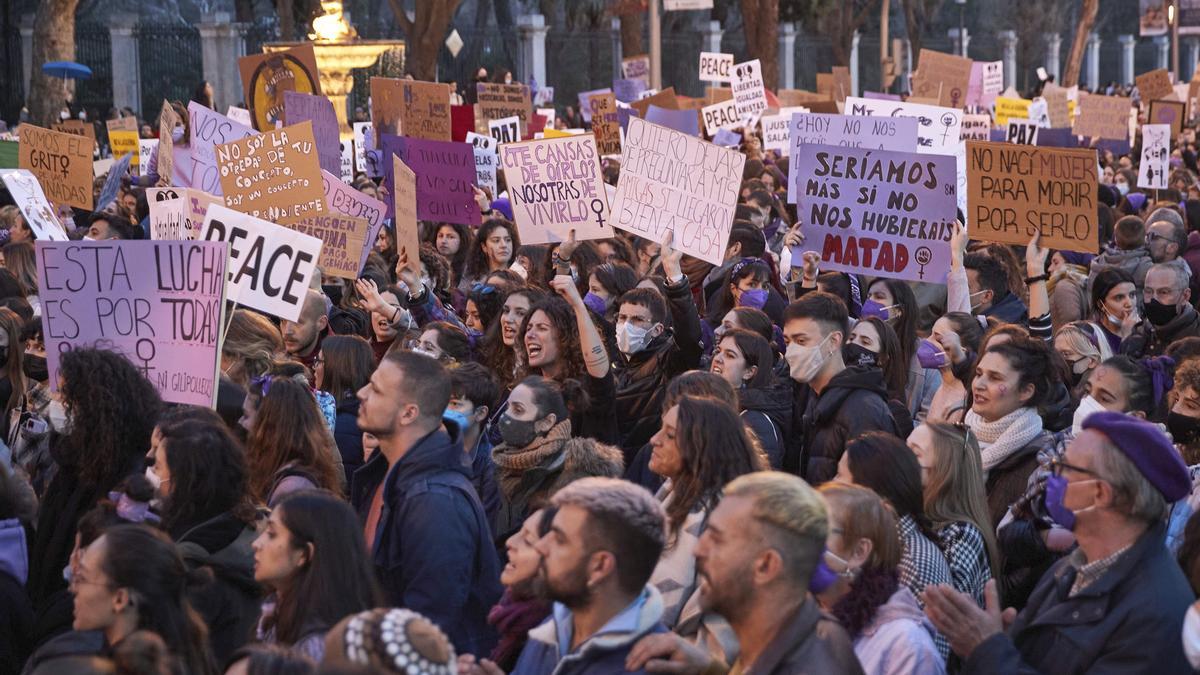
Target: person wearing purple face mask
[
  {"x": 746, "y": 284},
  {"x": 893, "y": 301}
]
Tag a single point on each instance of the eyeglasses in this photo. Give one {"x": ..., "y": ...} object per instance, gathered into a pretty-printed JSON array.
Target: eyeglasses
[
  {"x": 1058, "y": 465},
  {"x": 1152, "y": 237}
]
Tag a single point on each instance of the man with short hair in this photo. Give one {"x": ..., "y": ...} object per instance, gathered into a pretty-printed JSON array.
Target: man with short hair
[
  {"x": 302, "y": 339},
  {"x": 831, "y": 402},
  {"x": 1114, "y": 605},
  {"x": 754, "y": 563},
  {"x": 1168, "y": 311},
  {"x": 987, "y": 281},
  {"x": 1166, "y": 238},
  {"x": 424, "y": 524},
  {"x": 603, "y": 545},
  {"x": 474, "y": 395},
  {"x": 1127, "y": 252}
]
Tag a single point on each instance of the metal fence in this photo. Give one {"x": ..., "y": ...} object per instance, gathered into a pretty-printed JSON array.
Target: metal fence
[
  {"x": 93, "y": 49},
  {"x": 390, "y": 64},
  {"x": 12, "y": 84},
  {"x": 170, "y": 64}
]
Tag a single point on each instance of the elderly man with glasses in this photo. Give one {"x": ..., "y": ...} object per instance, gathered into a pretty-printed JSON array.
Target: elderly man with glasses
[
  {"x": 1116, "y": 603},
  {"x": 1169, "y": 314}
]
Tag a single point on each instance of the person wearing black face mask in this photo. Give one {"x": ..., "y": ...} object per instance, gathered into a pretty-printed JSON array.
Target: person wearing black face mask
[
  {"x": 871, "y": 345},
  {"x": 1183, "y": 421},
  {"x": 1168, "y": 310}
]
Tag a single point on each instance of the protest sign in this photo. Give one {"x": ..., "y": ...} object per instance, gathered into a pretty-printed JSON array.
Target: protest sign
[
  {"x": 686, "y": 5},
  {"x": 1103, "y": 117},
  {"x": 342, "y": 241},
  {"x": 121, "y": 124},
  {"x": 265, "y": 78},
  {"x": 1154, "y": 85},
  {"x": 555, "y": 186},
  {"x": 270, "y": 267},
  {"x": 500, "y": 101},
  {"x": 987, "y": 81},
  {"x": 167, "y": 121},
  {"x": 405, "y": 205},
  {"x": 1016, "y": 191},
  {"x": 636, "y": 68},
  {"x": 673, "y": 182},
  {"x": 550, "y": 114},
  {"x": 462, "y": 120},
  {"x": 719, "y": 116},
  {"x": 687, "y": 121},
  {"x": 27, "y": 194},
  {"x": 507, "y": 130},
  {"x": 1022, "y": 132},
  {"x": 1007, "y": 108},
  {"x": 880, "y": 96},
  {"x": 77, "y": 128},
  {"x": 872, "y": 133},
  {"x": 795, "y": 97},
  {"x": 210, "y": 129},
  {"x": 944, "y": 77},
  {"x": 239, "y": 115},
  {"x": 877, "y": 212},
  {"x": 486, "y": 160},
  {"x": 1057, "y": 138},
  {"x": 410, "y": 107},
  {"x": 147, "y": 148},
  {"x": 346, "y": 159},
  {"x": 61, "y": 162},
  {"x": 1156, "y": 156},
  {"x": 9, "y": 154},
  {"x": 663, "y": 99},
  {"x": 715, "y": 67},
  {"x": 975, "y": 127},
  {"x": 605, "y": 126},
  {"x": 585, "y": 102},
  {"x": 1152, "y": 17},
  {"x": 326, "y": 131},
  {"x": 748, "y": 89},
  {"x": 167, "y": 214},
  {"x": 445, "y": 177},
  {"x": 628, "y": 91},
  {"x": 347, "y": 201},
  {"x": 159, "y": 304},
  {"x": 112, "y": 183},
  {"x": 1039, "y": 112},
  {"x": 100, "y": 167},
  {"x": 1058, "y": 107},
  {"x": 775, "y": 133},
  {"x": 274, "y": 176},
  {"x": 124, "y": 143},
  {"x": 842, "y": 85},
  {"x": 1170, "y": 113},
  {"x": 938, "y": 128}
]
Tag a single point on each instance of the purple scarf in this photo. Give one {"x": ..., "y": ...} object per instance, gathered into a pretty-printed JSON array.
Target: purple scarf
[{"x": 513, "y": 620}]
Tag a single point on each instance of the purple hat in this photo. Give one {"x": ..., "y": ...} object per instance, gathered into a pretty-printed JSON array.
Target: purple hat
[
  {"x": 1076, "y": 258},
  {"x": 1148, "y": 448},
  {"x": 1136, "y": 199},
  {"x": 503, "y": 206}
]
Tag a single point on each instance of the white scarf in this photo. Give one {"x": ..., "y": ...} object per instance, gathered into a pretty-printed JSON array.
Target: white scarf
[{"x": 999, "y": 439}]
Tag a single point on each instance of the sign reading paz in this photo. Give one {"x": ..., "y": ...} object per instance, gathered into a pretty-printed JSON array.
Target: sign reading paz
[
  {"x": 270, "y": 267},
  {"x": 61, "y": 162},
  {"x": 274, "y": 176},
  {"x": 160, "y": 304},
  {"x": 555, "y": 186},
  {"x": 674, "y": 182},
  {"x": 1016, "y": 191},
  {"x": 876, "y": 212}
]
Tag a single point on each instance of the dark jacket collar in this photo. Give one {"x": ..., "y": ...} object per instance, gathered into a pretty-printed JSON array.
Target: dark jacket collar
[{"x": 798, "y": 629}]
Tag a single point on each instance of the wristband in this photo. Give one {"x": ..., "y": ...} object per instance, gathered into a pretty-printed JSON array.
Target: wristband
[{"x": 1034, "y": 280}]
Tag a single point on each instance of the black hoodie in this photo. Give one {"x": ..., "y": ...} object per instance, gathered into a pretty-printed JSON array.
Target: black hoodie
[{"x": 854, "y": 401}]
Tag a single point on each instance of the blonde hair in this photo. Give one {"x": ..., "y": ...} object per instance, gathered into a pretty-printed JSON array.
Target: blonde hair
[
  {"x": 253, "y": 342},
  {"x": 866, "y": 516},
  {"x": 1081, "y": 342},
  {"x": 794, "y": 514},
  {"x": 954, "y": 492}
]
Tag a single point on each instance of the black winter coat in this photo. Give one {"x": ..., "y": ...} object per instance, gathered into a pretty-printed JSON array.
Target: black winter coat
[
  {"x": 348, "y": 436},
  {"x": 231, "y": 600},
  {"x": 854, "y": 401},
  {"x": 1150, "y": 340}
]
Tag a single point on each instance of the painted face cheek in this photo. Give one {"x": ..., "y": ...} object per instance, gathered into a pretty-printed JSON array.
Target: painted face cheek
[{"x": 1003, "y": 389}]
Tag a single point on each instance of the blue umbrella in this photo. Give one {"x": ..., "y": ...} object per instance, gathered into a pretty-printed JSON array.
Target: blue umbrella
[{"x": 67, "y": 69}]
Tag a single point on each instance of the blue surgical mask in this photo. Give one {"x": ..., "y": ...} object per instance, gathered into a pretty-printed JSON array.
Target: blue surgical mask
[{"x": 462, "y": 421}]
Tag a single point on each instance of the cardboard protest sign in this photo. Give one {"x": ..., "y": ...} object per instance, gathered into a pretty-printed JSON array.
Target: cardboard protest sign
[
  {"x": 27, "y": 193},
  {"x": 877, "y": 212},
  {"x": 274, "y": 176},
  {"x": 445, "y": 177},
  {"x": 77, "y": 128},
  {"x": 716, "y": 67},
  {"x": 550, "y": 114},
  {"x": 265, "y": 78},
  {"x": 636, "y": 68},
  {"x": 346, "y": 159},
  {"x": 347, "y": 201},
  {"x": 1154, "y": 85},
  {"x": 61, "y": 162},
  {"x": 210, "y": 129},
  {"x": 159, "y": 304},
  {"x": 1058, "y": 107},
  {"x": 975, "y": 127},
  {"x": 1156, "y": 156},
  {"x": 794, "y": 97},
  {"x": 124, "y": 143},
  {"x": 842, "y": 86},
  {"x": 342, "y": 241},
  {"x": 673, "y": 182},
  {"x": 411, "y": 108},
  {"x": 1170, "y": 113},
  {"x": 663, "y": 99},
  {"x": 719, "y": 116},
  {"x": 507, "y": 130},
  {"x": 748, "y": 89},
  {"x": 605, "y": 126},
  {"x": 555, "y": 186},
  {"x": 270, "y": 267},
  {"x": 897, "y": 134},
  {"x": 938, "y": 128},
  {"x": 944, "y": 77},
  {"x": 147, "y": 149},
  {"x": 405, "y": 205},
  {"x": 112, "y": 184},
  {"x": 1007, "y": 108},
  {"x": 585, "y": 105},
  {"x": 1103, "y": 116},
  {"x": 299, "y": 108},
  {"x": 1015, "y": 191},
  {"x": 121, "y": 124},
  {"x": 499, "y": 101},
  {"x": 486, "y": 160},
  {"x": 167, "y": 121},
  {"x": 1039, "y": 112},
  {"x": 1022, "y": 132}
]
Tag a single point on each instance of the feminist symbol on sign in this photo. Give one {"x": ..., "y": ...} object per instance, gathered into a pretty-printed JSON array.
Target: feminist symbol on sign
[
  {"x": 924, "y": 256},
  {"x": 598, "y": 209}
]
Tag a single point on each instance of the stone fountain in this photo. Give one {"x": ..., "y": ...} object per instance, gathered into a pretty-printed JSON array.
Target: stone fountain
[{"x": 339, "y": 51}]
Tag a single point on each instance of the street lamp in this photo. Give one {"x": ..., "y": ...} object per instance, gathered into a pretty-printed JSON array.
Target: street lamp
[{"x": 962, "y": 38}]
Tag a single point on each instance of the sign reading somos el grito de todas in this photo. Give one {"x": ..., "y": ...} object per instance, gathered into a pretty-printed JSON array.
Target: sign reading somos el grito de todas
[
  {"x": 1015, "y": 191},
  {"x": 877, "y": 212}
]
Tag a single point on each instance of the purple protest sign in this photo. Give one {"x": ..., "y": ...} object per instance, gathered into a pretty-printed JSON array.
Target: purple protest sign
[
  {"x": 627, "y": 91},
  {"x": 686, "y": 121},
  {"x": 727, "y": 138},
  {"x": 445, "y": 177},
  {"x": 350, "y": 202},
  {"x": 208, "y": 130},
  {"x": 898, "y": 134},
  {"x": 159, "y": 303},
  {"x": 875, "y": 212},
  {"x": 299, "y": 107},
  {"x": 880, "y": 96}
]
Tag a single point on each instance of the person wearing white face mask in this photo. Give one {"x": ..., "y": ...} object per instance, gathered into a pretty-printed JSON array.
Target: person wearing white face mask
[{"x": 837, "y": 401}]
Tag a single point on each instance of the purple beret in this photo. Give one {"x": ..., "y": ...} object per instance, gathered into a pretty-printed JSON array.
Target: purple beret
[
  {"x": 1148, "y": 448},
  {"x": 1136, "y": 199},
  {"x": 1076, "y": 258},
  {"x": 503, "y": 206}
]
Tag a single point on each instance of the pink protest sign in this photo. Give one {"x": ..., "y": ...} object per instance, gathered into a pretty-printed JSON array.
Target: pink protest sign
[
  {"x": 159, "y": 303},
  {"x": 299, "y": 107},
  {"x": 445, "y": 177},
  {"x": 875, "y": 212},
  {"x": 350, "y": 202}
]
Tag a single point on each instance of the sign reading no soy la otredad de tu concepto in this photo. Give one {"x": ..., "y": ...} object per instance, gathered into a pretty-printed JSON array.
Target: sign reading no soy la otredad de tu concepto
[
  {"x": 877, "y": 212},
  {"x": 678, "y": 183},
  {"x": 1015, "y": 191},
  {"x": 274, "y": 176},
  {"x": 555, "y": 186},
  {"x": 160, "y": 304},
  {"x": 270, "y": 267}
]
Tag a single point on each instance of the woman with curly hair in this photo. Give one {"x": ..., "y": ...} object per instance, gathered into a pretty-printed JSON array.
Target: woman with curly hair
[
  {"x": 493, "y": 248},
  {"x": 500, "y": 350},
  {"x": 453, "y": 241},
  {"x": 251, "y": 344},
  {"x": 889, "y": 631},
  {"x": 701, "y": 446},
  {"x": 111, "y": 410},
  {"x": 288, "y": 444}
]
